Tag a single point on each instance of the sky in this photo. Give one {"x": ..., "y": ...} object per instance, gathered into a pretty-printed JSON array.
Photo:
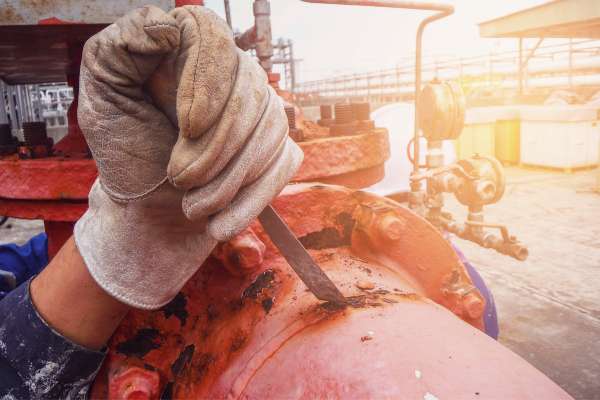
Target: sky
[{"x": 332, "y": 40}]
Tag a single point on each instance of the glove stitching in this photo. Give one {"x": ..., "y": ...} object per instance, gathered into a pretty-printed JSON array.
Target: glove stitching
[
  {"x": 117, "y": 197},
  {"x": 159, "y": 25},
  {"x": 189, "y": 114}
]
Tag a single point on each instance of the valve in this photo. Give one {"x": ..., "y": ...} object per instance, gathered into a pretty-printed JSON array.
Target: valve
[{"x": 475, "y": 182}]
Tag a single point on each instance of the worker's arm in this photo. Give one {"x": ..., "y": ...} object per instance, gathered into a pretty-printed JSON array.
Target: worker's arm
[
  {"x": 53, "y": 329},
  {"x": 191, "y": 144}
]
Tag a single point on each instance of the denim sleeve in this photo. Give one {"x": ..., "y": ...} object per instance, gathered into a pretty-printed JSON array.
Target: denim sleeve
[
  {"x": 19, "y": 263},
  {"x": 37, "y": 362}
]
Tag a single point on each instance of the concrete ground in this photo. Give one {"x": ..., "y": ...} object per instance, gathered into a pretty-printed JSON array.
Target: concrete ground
[{"x": 549, "y": 305}]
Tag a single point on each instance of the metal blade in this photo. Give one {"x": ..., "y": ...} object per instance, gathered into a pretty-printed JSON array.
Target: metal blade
[{"x": 299, "y": 259}]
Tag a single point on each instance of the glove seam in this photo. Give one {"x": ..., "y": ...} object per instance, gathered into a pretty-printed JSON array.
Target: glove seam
[
  {"x": 139, "y": 197},
  {"x": 150, "y": 26},
  {"x": 112, "y": 292}
]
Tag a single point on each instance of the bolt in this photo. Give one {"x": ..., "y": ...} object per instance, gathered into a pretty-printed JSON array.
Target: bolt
[
  {"x": 391, "y": 227},
  {"x": 343, "y": 113},
  {"x": 34, "y": 133},
  {"x": 362, "y": 111},
  {"x": 291, "y": 116},
  {"x": 134, "y": 383},
  {"x": 242, "y": 254},
  {"x": 325, "y": 111},
  {"x": 473, "y": 305}
]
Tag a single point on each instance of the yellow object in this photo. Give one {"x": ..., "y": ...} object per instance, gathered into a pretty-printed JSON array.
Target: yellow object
[
  {"x": 476, "y": 139},
  {"x": 508, "y": 141}
]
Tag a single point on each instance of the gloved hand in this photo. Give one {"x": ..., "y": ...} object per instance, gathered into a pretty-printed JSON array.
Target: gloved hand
[{"x": 190, "y": 142}]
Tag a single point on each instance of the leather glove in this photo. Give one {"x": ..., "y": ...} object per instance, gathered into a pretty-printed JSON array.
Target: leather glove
[{"x": 190, "y": 142}]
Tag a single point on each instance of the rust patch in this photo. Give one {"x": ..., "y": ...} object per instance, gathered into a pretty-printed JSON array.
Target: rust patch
[
  {"x": 39, "y": 6},
  {"x": 261, "y": 282},
  {"x": 183, "y": 359},
  {"x": 8, "y": 15},
  {"x": 331, "y": 237},
  {"x": 177, "y": 308},
  {"x": 141, "y": 344},
  {"x": 212, "y": 312},
  {"x": 205, "y": 360},
  {"x": 267, "y": 304},
  {"x": 238, "y": 342}
]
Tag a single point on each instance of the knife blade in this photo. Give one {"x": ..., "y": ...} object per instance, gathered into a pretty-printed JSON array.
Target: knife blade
[{"x": 298, "y": 258}]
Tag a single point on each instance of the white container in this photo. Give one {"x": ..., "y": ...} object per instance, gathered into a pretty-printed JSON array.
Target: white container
[{"x": 564, "y": 137}]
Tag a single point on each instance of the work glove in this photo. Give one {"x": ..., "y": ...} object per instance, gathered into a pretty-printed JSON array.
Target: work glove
[{"x": 190, "y": 142}]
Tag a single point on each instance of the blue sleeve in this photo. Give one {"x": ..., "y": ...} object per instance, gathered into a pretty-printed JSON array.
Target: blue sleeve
[
  {"x": 19, "y": 263},
  {"x": 37, "y": 362}
]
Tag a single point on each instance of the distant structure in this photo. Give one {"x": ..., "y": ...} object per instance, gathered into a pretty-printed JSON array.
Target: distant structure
[
  {"x": 529, "y": 74},
  {"x": 30, "y": 103}
]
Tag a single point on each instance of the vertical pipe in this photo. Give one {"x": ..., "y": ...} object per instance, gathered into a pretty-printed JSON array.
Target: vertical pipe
[
  {"x": 264, "y": 44},
  {"x": 490, "y": 67},
  {"x": 520, "y": 66},
  {"x": 22, "y": 107},
  {"x": 3, "y": 104},
  {"x": 228, "y": 13},
  {"x": 418, "y": 65},
  {"x": 571, "y": 63},
  {"x": 10, "y": 96},
  {"x": 292, "y": 66}
]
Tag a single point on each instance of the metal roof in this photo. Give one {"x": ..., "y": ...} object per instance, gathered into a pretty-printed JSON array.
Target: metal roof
[{"x": 555, "y": 19}]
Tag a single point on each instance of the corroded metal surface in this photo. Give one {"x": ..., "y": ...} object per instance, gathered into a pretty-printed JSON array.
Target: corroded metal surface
[
  {"x": 263, "y": 335},
  {"x": 53, "y": 178},
  {"x": 332, "y": 156},
  {"x": 30, "y": 12}
]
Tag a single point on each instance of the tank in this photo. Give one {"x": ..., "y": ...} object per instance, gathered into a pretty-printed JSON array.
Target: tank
[{"x": 245, "y": 327}]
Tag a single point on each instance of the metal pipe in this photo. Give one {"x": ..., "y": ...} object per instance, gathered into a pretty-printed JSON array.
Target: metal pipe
[
  {"x": 227, "y": 13},
  {"x": 520, "y": 66},
  {"x": 413, "y": 5},
  {"x": 3, "y": 104},
  {"x": 262, "y": 22},
  {"x": 444, "y": 10}
]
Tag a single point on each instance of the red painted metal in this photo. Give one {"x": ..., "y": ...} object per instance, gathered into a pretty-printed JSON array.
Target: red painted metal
[
  {"x": 58, "y": 233},
  {"x": 263, "y": 335},
  {"x": 181, "y": 3},
  {"x": 54, "y": 178},
  {"x": 43, "y": 209}
]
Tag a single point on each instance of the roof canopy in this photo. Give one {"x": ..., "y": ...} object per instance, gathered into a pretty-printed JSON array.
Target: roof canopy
[{"x": 555, "y": 19}]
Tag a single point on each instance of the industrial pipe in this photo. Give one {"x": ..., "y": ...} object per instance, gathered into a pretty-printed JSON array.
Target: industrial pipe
[{"x": 443, "y": 11}]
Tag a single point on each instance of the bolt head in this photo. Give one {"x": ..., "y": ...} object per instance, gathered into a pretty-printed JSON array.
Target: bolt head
[
  {"x": 392, "y": 227},
  {"x": 473, "y": 306},
  {"x": 134, "y": 383}
]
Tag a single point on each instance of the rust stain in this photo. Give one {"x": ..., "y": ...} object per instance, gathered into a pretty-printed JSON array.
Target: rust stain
[
  {"x": 8, "y": 15},
  {"x": 40, "y": 6}
]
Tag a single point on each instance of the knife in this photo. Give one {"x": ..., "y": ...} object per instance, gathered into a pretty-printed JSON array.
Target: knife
[{"x": 299, "y": 259}]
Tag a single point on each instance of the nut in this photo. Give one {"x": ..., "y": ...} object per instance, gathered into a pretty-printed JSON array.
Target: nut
[
  {"x": 473, "y": 305},
  {"x": 134, "y": 383}
]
